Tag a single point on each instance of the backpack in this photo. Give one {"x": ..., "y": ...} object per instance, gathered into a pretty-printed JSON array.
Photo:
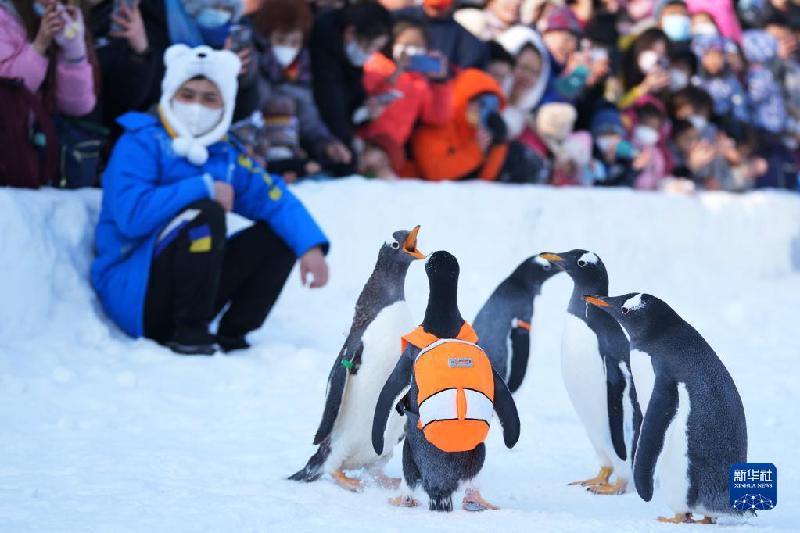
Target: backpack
[
  {"x": 28, "y": 141},
  {"x": 82, "y": 146},
  {"x": 456, "y": 389}
]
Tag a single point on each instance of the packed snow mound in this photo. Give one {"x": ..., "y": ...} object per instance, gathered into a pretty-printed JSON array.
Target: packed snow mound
[{"x": 104, "y": 433}]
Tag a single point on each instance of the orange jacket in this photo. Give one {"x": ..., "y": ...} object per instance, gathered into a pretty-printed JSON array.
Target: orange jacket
[
  {"x": 451, "y": 151},
  {"x": 422, "y": 102}
]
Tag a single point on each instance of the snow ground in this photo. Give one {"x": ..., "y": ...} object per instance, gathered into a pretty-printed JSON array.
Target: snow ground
[{"x": 101, "y": 433}]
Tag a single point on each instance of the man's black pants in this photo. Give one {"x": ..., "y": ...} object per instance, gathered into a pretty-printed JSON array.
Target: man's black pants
[{"x": 196, "y": 272}]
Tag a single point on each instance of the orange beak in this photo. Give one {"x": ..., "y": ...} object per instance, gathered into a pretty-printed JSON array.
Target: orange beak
[
  {"x": 595, "y": 301},
  {"x": 410, "y": 246},
  {"x": 553, "y": 258}
]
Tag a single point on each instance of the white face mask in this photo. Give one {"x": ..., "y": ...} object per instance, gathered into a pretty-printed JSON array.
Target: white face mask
[
  {"x": 285, "y": 54},
  {"x": 645, "y": 136},
  {"x": 698, "y": 122},
  {"x": 400, "y": 49},
  {"x": 605, "y": 143},
  {"x": 678, "y": 79},
  {"x": 355, "y": 54},
  {"x": 705, "y": 28},
  {"x": 647, "y": 61},
  {"x": 196, "y": 118}
]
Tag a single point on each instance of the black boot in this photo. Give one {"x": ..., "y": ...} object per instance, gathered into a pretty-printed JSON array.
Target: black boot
[{"x": 192, "y": 342}]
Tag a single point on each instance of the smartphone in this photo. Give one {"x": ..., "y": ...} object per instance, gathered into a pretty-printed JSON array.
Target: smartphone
[
  {"x": 388, "y": 97},
  {"x": 425, "y": 64},
  {"x": 132, "y": 4},
  {"x": 241, "y": 37},
  {"x": 598, "y": 55}
]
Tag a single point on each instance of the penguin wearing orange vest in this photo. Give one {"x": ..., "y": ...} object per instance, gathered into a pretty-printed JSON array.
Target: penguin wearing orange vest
[
  {"x": 504, "y": 322},
  {"x": 368, "y": 356},
  {"x": 446, "y": 387}
]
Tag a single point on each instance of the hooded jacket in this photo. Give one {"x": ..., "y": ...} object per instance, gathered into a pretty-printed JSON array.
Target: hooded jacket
[
  {"x": 451, "y": 151},
  {"x": 146, "y": 185}
]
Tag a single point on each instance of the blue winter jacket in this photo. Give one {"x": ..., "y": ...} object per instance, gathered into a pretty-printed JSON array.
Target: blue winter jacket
[{"x": 146, "y": 185}]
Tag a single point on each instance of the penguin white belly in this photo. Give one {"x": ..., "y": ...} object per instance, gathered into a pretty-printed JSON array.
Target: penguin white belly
[
  {"x": 585, "y": 379},
  {"x": 643, "y": 377},
  {"x": 672, "y": 468},
  {"x": 352, "y": 433},
  {"x": 623, "y": 468}
]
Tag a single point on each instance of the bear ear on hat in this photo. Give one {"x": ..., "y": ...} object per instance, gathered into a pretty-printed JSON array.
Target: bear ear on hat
[
  {"x": 225, "y": 59},
  {"x": 174, "y": 52}
]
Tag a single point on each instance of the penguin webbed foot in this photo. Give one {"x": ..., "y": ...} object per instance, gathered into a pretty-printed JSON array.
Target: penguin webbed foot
[
  {"x": 686, "y": 518},
  {"x": 600, "y": 479},
  {"x": 346, "y": 482},
  {"x": 403, "y": 501},
  {"x": 618, "y": 487},
  {"x": 384, "y": 481},
  {"x": 473, "y": 501}
]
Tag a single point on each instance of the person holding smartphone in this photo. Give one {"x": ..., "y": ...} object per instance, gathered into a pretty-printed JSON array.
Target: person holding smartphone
[{"x": 413, "y": 84}]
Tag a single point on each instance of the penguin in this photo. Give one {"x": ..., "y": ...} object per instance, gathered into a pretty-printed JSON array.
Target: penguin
[
  {"x": 695, "y": 426},
  {"x": 439, "y": 472},
  {"x": 368, "y": 356},
  {"x": 595, "y": 366},
  {"x": 504, "y": 322}
]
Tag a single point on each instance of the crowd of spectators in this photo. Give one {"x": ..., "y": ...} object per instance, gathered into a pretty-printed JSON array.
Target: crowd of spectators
[{"x": 651, "y": 94}]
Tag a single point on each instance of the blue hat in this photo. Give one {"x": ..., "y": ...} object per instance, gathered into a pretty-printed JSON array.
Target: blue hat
[
  {"x": 607, "y": 120},
  {"x": 705, "y": 43},
  {"x": 759, "y": 46}
]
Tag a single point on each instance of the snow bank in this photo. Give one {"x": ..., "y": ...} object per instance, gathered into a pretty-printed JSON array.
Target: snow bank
[{"x": 103, "y": 433}]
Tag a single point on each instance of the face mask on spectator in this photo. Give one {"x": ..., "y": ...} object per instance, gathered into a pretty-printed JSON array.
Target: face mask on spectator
[
  {"x": 678, "y": 79},
  {"x": 699, "y": 122},
  {"x": 400, "y": 49},
  {"x": 605, "y": 143},
  {"x": 197, "y": 118},
  {"x": 39, "y": 9},
  {"x": 677, "y": 27},
  {"x": 355, "y": 54},
  {"x": 285, "y": 54},
  {"x": 705, "y": 28},
  {"x": 647, "y": 61},
  {"x": 213, "y": 18},
  {"x": 645, "y": 136}
]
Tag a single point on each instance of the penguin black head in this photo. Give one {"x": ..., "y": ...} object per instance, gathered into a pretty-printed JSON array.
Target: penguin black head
[
  {"x": 442, "y": 317},
  {"x": 642, "y": 315},
  {"x": 534, "y": 271},
  {"x": 584, "y": 267},
  {"x": 402, "y": 246}
]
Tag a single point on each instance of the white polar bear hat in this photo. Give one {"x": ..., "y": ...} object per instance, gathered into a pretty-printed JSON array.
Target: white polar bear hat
[{"x": 184, "y": 63}]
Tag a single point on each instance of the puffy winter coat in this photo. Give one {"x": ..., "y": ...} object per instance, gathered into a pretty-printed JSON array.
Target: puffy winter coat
[{"x": 146, "y": 185}]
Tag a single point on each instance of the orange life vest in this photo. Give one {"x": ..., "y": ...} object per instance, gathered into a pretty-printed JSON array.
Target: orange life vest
[{"x": 456, "y": 389}]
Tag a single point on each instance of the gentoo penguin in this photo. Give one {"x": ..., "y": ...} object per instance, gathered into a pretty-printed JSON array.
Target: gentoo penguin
[
  {"x": 596, "y": 370},
  {"x": 455, "y": 413},
  {"x": 369, "y": 354},
  {"x": 504, "y": 322},
  {"x": 695, "y": 428}
]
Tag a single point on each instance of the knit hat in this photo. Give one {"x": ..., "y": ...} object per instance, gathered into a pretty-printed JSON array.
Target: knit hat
[
  {"x": 562, "y": 18},
  {"x": 607, "y": 120},
  {"x": 701, "y": 44},
  {"x": 759, "y": 46},
  {"x": 554, "y": 123},
  {"x": 182, "y": 64}
]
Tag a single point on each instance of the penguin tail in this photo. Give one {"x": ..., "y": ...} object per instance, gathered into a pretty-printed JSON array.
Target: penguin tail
[
  {"x": 441, "y": 503},
  {"x": 313, "y": 469}
]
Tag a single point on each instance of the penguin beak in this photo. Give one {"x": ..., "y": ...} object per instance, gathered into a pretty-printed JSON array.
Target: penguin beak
[
  {"x": 410, "y": 246},
  {"x": 596, "y": 301},
  {"x": 553, "y": 258}
]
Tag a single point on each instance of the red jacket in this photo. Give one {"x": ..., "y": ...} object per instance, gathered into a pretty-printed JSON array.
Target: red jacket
[
  {"x": 451, "y": 151},
  {"x": 422, "y": 102}
]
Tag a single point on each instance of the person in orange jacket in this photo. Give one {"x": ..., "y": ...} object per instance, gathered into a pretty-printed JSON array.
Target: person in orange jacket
[
  {"x": 472, "y": 144},
  {"x": 414, "y": 95}
]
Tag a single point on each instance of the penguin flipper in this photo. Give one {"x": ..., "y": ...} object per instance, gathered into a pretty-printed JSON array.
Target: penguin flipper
[
  {"x": 337, "y": 379},
  {"x": 520, "y": 352},
  {"x": 506, "y": 411},
  {"x": 393, "y": 389},
  {"x": 660, "y": 411},
  {"x": 615, "y": 390}
]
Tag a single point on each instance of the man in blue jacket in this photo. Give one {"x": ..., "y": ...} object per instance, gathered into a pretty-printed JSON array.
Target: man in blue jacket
[{"x": 165, "y": 267}]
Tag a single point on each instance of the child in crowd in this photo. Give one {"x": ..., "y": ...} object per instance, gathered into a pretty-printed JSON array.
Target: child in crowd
[
  {"x": 649, "y": 134},
  {"x": 716, "y": 78},
  {"x": 612, "y": 153}
]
